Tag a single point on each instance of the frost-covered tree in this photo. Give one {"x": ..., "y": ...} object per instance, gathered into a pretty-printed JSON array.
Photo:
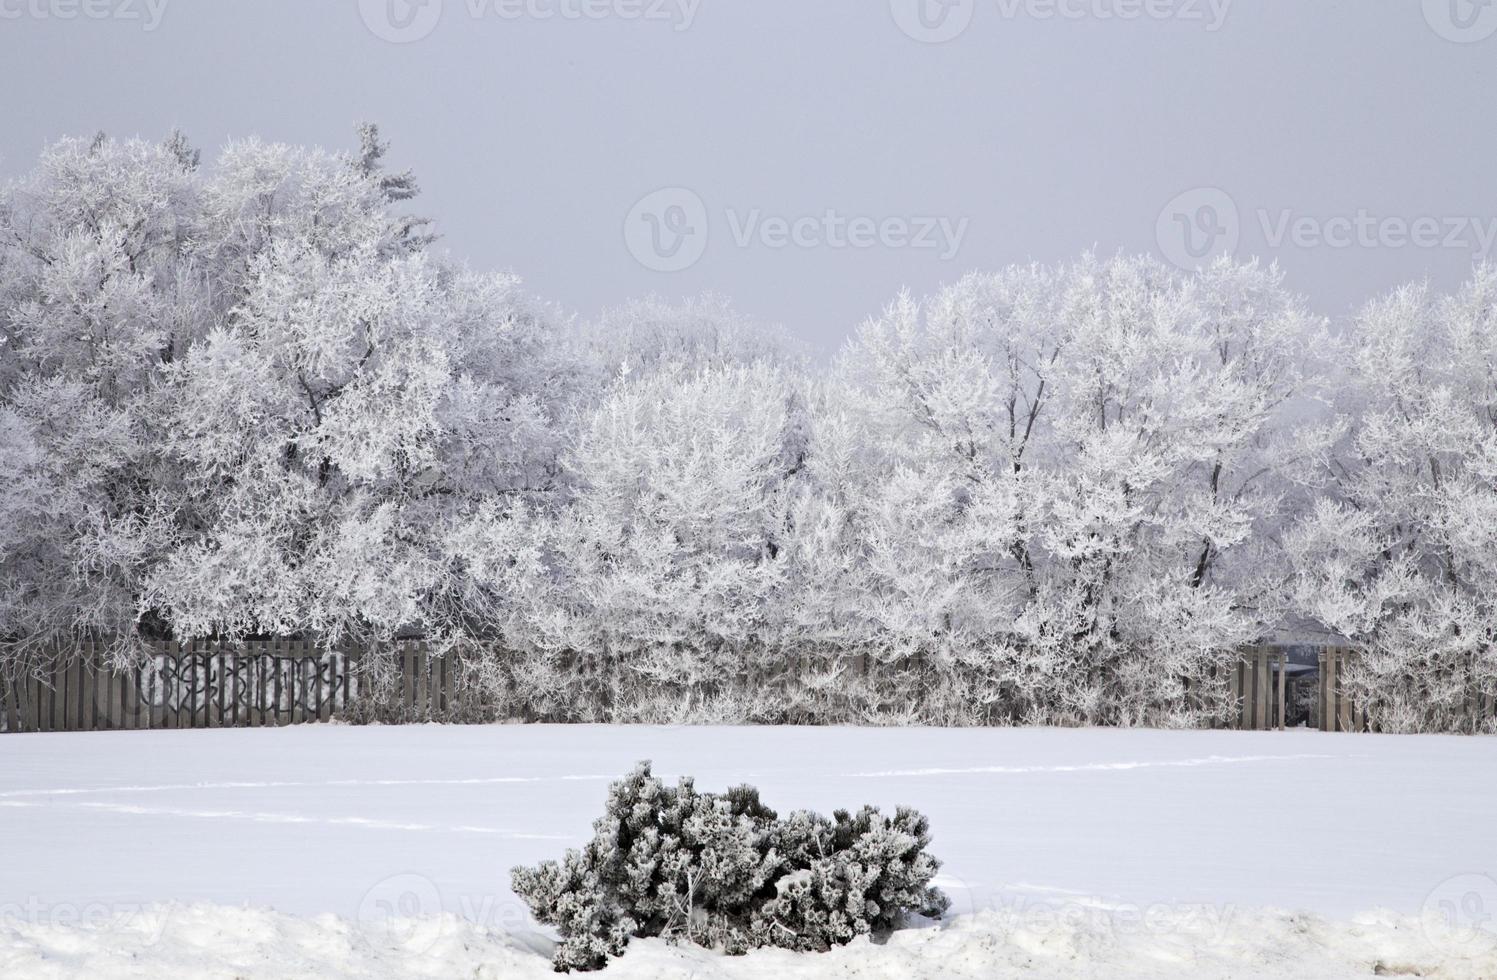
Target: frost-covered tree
[
  {"x": 98, "y": 297},
  {"x": 1074, "y": 462},
  {"x": 663, "y": 571},
  {"x": 1400, "y": 551},
  {"x": 644, "y": 336},
  {"x": 355, "y": 396},
  {"x": 241, "y": 399}
]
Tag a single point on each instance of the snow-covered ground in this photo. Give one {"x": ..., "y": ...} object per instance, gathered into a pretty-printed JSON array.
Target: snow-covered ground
[{"x": 1067, "y": 853}]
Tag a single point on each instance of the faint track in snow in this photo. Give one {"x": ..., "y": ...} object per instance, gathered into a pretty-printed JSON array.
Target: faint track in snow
[
  {"x": 1210, "y": 760},
  {"x": 286, "y": 818},
  {"x": 331, "y": 783}
]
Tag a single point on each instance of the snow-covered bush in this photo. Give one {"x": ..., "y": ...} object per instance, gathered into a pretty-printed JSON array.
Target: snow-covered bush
[{"x": 723, "y": 871}]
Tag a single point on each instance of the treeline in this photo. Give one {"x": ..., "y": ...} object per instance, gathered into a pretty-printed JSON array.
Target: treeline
[{"x": 246, "y": 398}]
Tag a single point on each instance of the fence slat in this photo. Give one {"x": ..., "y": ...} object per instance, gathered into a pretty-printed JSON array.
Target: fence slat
[
  {"x": 447, "y": 659},
  {"x": 12, "y": 704},
  {"x": 107, "y": 698},
  {"x": 307, "y": 670},
  {"x": 1327, "y": 689},
  {"x": 202, "y": 685},
  {"x": 421, "y": 686},
  {"x": 292, "y": 666},
  {"x": 218, "y": 684},
  {"x": 1260, "y": 689},
  {"x": 326, "y": 667},
  {"x": 257, "y": 685},
  {"x": 1283, "y": 691},
  {"x": 43, "y": 698},
  {"x": 1345, "y": 703},
  {"x": 60, "y": 694},
  {"x": 88, "y": 670},
  {"x": 276, "y": 682},
  {"x": 238, "y": 717},
  {"x": 408, "y": 673},
  {"x": 31, "y": 722},
  {"x": 169, "y": 682},
  {"x": 120, "y": 703},
  {"x": 70, "y": 686},
  {"x": 1245, "y": 684},
  {"x": 133, "y": 703},
  {"x": 1241, "y": 693}
]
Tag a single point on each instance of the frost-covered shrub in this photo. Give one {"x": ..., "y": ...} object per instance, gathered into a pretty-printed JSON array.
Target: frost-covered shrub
[{"x": 723, "y": 871}]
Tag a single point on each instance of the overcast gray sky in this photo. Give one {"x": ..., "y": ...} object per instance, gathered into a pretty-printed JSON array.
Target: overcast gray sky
[{"x": 810, "y": 157}]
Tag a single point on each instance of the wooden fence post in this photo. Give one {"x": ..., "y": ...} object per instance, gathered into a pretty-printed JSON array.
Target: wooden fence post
[
  {"x": 31, "y": 691},
  {"x": 306, "y": 669},
  {"x": 421, "y": 706},
  {"x": 1260, "y": 689},
  {"x": 1283, "y": 690},
  {"x": 1234, "y": 688},
  {"x": 1327, "y": 687},
  {"x": 1340, "y": 694},
  {"x": 86, "y": 688},
  {"x": 12, "y": 704},
  {"x": 408, "y": 676}
]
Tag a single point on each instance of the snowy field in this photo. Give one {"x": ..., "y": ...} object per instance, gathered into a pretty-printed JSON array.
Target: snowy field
[{"x": 275, "y": 853}]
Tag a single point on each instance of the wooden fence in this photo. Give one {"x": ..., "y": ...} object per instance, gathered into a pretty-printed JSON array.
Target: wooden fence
[{"x": 205, "y": 684}]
